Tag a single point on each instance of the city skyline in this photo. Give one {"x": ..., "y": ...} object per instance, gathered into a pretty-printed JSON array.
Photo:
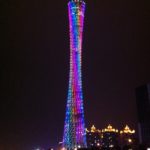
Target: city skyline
[{"x": 35, "y": 63}]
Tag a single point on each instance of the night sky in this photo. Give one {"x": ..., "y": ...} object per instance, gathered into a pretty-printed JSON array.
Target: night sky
[{"x": 34, "y": 67}]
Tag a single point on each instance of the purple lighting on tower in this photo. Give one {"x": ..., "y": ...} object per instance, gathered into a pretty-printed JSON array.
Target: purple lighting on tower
[{"x": 74, "y": 128}]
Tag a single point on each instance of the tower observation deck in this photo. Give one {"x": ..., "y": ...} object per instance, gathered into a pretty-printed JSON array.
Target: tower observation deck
[{"x": 74, "y": 128}]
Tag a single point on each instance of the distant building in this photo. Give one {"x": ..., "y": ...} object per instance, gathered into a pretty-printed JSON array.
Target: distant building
[
  {"x": 93, "y": 137},
  {"x": 143, "y": 113},
  {"x": 109, "y": 137},
  {"x": 127, "y": 137}
]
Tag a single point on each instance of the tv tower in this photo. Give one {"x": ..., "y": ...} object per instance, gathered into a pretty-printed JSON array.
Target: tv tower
[{"x": 74, "y": 128}]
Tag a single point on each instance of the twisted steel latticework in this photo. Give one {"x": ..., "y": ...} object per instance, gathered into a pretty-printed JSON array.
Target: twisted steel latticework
[{"x": 74, "y": 128}]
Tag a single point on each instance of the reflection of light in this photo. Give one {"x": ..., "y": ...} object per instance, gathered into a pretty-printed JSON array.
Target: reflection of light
[
  {"x": 148, "y": 148},
  {"x": 79, "y": 146}
]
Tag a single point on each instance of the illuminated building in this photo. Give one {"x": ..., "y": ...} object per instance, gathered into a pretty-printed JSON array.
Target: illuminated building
[
  {"x": 74, "y": 128},
  {"x": 109, "y": 137},
  {"x": 127, "y": 137},
  {"x": 143, "y": 112},
  {"x": 127, "y": 130},
  {"x": 93, "y": 137}
]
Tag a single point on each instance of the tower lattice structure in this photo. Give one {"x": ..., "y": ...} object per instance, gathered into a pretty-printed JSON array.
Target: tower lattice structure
[{"x": 74, "y": 128}]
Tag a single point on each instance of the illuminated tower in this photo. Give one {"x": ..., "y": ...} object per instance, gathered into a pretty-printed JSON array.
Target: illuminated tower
[{"x": 74, "y": 128}]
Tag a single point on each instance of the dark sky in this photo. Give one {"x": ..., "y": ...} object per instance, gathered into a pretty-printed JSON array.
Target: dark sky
[{"x": 35, "y": 65}]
